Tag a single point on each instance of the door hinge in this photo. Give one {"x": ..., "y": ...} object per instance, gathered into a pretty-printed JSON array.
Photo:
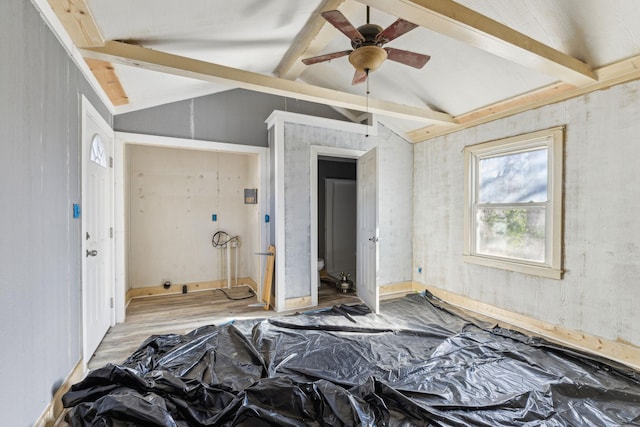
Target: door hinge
[
  {"x": 111, "y": 232},
  {"x": 111, "y": 302},
  {"x": 111, "y": 162}
]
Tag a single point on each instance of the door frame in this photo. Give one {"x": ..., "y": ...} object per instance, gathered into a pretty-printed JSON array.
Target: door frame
[
  {"x": 122, "y": 139},
  {"x": 88, "y": 110},
  {"x": 315, "y": 152}
]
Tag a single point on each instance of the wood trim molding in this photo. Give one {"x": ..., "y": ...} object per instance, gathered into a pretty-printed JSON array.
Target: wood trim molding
[
  {"x": 528, "y": 98},
  {"x": 620, "y": 352},
  {"x": 608, "y": 76},
  {"x": 281, "y": 117},
  {"x": 108, "y": 80},
  {"x": 53, "y": 412},
  {"x": 470, "y": 27},
  {"x": 77, "y": 20},
  {"x": 149, "y": 59},
  {"x": 297, "y": 303},
  {"x": 176, "y": 288},
  {"x": 396, "y": 290}
]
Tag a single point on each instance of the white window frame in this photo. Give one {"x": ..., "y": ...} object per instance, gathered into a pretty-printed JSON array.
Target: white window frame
[{"x": 553, "y": 140}]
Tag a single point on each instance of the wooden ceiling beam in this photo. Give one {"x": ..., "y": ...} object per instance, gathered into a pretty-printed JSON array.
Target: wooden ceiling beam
[
  {"x": 77, "y": 20},
  {"x": 468, "y": 26},
  {"x": 610, "y": 75},
  {"x": 136, "y": 56},
  {"x": 314, "y": 37},
  {"x": 108, "y": 79}
]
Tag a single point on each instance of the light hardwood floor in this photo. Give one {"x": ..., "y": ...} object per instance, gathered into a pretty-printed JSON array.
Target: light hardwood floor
[{"x": 183, "y": 312}]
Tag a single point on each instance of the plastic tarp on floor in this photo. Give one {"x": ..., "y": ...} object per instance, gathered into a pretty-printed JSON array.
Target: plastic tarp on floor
[{"x": 417, "y": 363}]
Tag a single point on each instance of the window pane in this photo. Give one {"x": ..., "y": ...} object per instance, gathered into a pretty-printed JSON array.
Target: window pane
[
  {"x": 513, "y": 178},
  {"x": 512, "y": 233},
  {"x": 98, "y": 154}
]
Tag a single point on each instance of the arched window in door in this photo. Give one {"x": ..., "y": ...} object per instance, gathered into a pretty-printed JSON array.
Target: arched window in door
[{"x": 98, "y": 155}]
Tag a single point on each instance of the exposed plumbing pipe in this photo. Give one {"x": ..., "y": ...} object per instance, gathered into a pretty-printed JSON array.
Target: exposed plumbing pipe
[
  {"x": 228, "y": 265},
  {"x": 236, "y": 260},
  {"x": 226, "y": 244}
]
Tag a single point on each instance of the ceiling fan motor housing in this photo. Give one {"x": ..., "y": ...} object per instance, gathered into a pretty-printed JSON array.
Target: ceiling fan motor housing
[
  {"x": 367, "y": 54},
  {"x": 369, "y": 33}
]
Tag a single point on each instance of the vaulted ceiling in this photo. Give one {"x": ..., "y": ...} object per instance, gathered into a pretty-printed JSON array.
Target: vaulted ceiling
[{"x": 489, "y": 58}]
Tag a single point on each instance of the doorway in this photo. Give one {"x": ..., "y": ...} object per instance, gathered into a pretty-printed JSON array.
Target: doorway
[
  {"x": 337, "y": 215},
  {"x": 178, "y": 200},
  {"x": 258, "y": 229},
  {"x": 318, "y": 152}
]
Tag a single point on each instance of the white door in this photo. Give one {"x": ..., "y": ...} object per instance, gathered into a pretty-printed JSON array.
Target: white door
[
  {"x": 367, "y": 284},
  {"x": 97, "y": 232}
]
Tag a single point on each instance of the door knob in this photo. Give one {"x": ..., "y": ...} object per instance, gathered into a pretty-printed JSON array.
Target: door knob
[
  {"x": 92, "y": 253},
  {"x": 373, "y": 239}
]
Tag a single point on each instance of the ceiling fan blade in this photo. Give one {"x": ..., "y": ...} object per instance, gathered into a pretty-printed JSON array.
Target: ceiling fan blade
[
  {"x": 412, "y": 59},
  {"x": 359, "y": 77},
  {"x": 326, "y": 57},
  {"x": 395, "y": 30},
  {"x": 338, "y": 20}
]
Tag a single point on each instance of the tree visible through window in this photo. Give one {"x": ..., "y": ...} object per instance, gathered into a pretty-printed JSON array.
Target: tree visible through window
[{"x": 513, "y": 212}]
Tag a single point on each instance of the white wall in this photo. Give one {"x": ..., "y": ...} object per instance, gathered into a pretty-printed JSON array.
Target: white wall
[
  {"x": 395, "y": 215},
  {"x": 172, "y": 196},
  {"x": 600, "y": 292}
]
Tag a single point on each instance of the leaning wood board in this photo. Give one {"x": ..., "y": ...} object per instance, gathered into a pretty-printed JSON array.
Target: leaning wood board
[{"x": 268, "y": 277}]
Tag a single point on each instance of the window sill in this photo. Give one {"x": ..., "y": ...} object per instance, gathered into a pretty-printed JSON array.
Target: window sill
[{"x": 535, "y": 270}]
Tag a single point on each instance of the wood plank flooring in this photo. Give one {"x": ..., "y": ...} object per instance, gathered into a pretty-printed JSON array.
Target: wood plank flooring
[{"x": 183, "y": 312}]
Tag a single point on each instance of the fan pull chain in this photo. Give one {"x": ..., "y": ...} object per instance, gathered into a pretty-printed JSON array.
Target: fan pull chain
[{"x": 367, "y": 71}]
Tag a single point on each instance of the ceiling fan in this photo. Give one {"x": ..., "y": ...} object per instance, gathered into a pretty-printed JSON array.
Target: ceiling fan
[{"x": 367, "y": 41}]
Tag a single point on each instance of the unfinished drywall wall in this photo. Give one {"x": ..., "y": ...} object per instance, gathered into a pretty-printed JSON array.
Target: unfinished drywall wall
[
  {"x": 395, "y": 157},
  {"x": 172, "y": 196},
  {"x": 40, "y": 267},
  {"x": 599, "y": 293},
  {"x": 234, "y": 116}
]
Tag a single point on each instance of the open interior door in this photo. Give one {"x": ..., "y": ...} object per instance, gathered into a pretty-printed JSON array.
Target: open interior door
[{"x": 367, "y": 276}]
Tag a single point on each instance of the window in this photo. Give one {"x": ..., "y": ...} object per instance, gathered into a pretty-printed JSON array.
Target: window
[
  {"x": 513, "y": 210},
  {"x": 97, "y": 151}
]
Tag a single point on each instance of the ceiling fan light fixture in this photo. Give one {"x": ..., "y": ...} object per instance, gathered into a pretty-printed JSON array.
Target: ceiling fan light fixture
[{"x": 367, "y": 58}]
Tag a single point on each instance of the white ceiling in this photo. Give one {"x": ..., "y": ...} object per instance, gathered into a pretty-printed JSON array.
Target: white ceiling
[{"x": 255, "y": 35}]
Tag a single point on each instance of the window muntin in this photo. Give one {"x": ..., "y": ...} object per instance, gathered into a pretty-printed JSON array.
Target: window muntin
[{"x": 514, "y": 199}]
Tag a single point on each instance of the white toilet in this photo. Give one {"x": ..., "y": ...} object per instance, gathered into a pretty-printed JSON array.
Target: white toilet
[{"x": 320, "y": 267}]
